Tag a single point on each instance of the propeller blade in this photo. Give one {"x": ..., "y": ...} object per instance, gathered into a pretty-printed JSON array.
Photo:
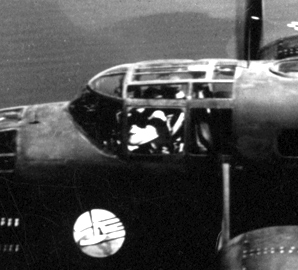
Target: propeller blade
[{"x": 249, "y": 28}]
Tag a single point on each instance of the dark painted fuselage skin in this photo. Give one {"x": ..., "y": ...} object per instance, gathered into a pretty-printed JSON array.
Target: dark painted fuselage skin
[
  {"x": 59, "y": 174},
  {"x": 170, "y": 206},
  {"x": 265, "y": 105}
]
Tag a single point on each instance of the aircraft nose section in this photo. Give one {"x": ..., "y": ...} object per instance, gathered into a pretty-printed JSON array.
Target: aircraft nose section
[{"x": 274, "y": 248}]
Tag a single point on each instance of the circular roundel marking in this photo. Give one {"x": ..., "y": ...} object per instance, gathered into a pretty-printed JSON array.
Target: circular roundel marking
[{"x": 99, "y": 233}]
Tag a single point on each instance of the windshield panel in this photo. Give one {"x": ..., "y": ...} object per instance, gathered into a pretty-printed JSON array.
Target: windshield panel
[{"x": 109, "y": 84}]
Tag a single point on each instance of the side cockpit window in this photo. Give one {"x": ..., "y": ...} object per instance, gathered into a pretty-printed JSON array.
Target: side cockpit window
[
  {"x": 220, "y": 85},
  {"x": 165, "y": 75},
  {"x": 158, "y": 91},
  {"x": 210, "y": 131},
  {"x": 155, "y": 130},
  {"x": 223, "y": 72},
  {"x": 202, "y": 91}
]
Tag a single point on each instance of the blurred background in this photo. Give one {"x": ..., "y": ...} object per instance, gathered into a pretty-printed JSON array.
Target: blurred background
[{"x": 50, "y": 48}]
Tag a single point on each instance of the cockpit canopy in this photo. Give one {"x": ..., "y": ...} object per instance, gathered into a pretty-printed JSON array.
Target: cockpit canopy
[
  {"x": 169, "y": 100},
  {"x": 133, "y": 80}
]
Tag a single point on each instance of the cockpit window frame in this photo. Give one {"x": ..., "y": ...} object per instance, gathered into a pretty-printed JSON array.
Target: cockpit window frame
[
  {"x": 184, "y": 104},
  {"x": 114, "y": 71},
  {"x": 184, "y": 87}
]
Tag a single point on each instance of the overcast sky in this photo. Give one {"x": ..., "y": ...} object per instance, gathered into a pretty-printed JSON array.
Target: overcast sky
[
  {"x": 104, "y": 13},
  {"x": 277, "y": 15},
  {"x": 50, "y": 48}
]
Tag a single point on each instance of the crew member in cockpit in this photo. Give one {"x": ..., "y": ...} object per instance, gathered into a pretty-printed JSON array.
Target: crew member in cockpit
[
  {"x": 153, "y": 138},
  {"x": 175, "y": 121},
  {"x": 201, "y": 91},
  {"x": 157, "y": 131}
]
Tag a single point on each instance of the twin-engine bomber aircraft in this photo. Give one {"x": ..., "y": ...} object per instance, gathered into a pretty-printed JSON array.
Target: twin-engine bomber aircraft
[{"x": 128, "y": 174}]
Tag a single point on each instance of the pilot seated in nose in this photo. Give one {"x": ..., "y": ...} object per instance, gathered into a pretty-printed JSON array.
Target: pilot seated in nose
[{"x": 154, "y": 138}]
